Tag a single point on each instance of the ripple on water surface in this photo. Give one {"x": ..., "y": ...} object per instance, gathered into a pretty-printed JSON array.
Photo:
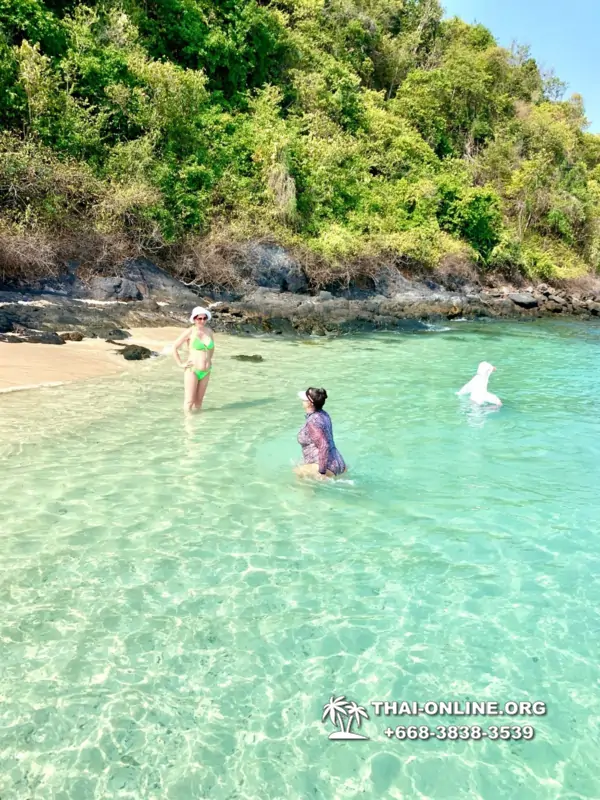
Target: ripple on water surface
[{"x": 177, "y": 608}]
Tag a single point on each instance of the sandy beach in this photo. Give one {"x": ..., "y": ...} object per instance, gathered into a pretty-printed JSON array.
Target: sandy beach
[{"x": 29, "y": 366}]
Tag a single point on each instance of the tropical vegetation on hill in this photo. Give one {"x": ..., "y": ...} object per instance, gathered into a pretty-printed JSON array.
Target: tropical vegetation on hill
[{"x": 347, "y": 129}]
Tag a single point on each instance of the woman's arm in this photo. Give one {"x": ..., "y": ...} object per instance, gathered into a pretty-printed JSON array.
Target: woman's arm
[
  {"x": 211, "y": 352},
  {"x": 319, "y": 439},
  {"x": 180, "y": 341}
]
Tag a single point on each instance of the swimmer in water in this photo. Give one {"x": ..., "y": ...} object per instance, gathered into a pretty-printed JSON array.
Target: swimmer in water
[
  {"x": 199, "y": 339},
  {"x": 321, "y": 457},
  {"x": 477, "y": 387}
]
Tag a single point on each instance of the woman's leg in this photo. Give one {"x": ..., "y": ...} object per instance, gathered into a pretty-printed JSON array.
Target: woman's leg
[
  {"x": 310, "y": 471},
  {"x": 201, "y": 391},
  {"x": 190, "y": 385}
]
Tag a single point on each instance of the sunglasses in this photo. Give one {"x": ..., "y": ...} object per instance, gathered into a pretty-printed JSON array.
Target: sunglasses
[{"x": 204, "y": 318}]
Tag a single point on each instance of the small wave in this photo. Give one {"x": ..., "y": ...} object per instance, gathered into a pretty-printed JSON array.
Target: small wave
[
  {"x": 25, "y": 386},
  {"x": 38, "y": 303},
  {"x": 100, "y": 302},
  {"x": 431, "y": 326}
]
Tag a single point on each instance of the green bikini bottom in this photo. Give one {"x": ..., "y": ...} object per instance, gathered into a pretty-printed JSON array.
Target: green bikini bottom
[{"x": 202, "y": 374}]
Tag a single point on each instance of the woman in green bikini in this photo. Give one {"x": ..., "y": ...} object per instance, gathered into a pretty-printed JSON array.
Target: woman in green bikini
[{"x": 199, "y": 339}]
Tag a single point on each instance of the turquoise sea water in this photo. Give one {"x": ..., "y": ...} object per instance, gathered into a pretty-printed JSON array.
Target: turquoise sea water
[{"x": 176, "y": 608}]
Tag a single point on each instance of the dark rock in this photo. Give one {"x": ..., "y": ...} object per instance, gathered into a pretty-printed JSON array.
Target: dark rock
[
  {"x": 383, "y": 300},
  {"x": 106, "y": 333},
  {"x": 254, "y": 358},
  {"x": 373, "y": 304},
  {"x": 271, "y": 266},
  {"x": 47, "y": 337},
  {"x": 6, "y": 324},
  {"x": 117, "y": 333},
  {"x": 501, "y": 308},
  {"x": 60, "y": 285},
  {"x": 134, "y": 352},
  {"x": 278, "y": 325},
  {"x": 34, "y": 336},
  {"x": 7, "y": 338},
  {"x": 524, "y": 300},
  {"x": 41, "y": 337},
  {"x": 556, "y": 298},
  {"x": 156, "y": 283},
  {"x": 387, "y": 282},
  {"x": 113, "y": 289},
  {"x": 133, "y": 280},
  {"x": 71, "y": 336}
]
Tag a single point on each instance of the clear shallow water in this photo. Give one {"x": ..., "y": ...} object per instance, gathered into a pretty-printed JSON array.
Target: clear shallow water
[{"x": 176, "y": 608}]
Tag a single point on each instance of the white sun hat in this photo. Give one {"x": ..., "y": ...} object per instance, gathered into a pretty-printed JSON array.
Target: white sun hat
[{"x": 198, "y": 311}]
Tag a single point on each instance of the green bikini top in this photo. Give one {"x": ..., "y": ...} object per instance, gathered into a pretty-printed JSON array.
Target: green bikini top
[{"x": 198, "y": 344}]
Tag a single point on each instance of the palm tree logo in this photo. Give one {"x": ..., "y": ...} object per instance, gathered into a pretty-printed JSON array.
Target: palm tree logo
[{"x": 336, "y": 709}]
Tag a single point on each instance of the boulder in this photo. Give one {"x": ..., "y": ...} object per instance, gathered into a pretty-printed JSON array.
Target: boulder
[
  {"x": 272, "y": 267},
  {"x": 5, "y": 322},
  {"x": 253, "y": 358},
  {"x": 117, "y": 333},
  {"x": 134, "y": 352},
  {"x": 553, "y": 306},
  {"x": 556, "y": 298},
  {"x": 47, "y": 337},
  {"x": 106, "y": 333},
  {"x": 113, "y": 289},
  {"x": 389, "y": 282},
  {"x": 502, "y": 308},
  {"x": 523, "y": 299},
  {"x": 71, "y": 336},
  {"x": 38, "y": 337},
  {"x": 133, "y": 280}
]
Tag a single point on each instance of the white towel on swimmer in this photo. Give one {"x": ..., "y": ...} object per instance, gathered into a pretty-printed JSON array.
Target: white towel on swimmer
[{"x": 477, "y": 386}]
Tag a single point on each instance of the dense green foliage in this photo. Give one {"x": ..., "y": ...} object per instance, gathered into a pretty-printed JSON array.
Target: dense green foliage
[{"x": 351, "y": 127}]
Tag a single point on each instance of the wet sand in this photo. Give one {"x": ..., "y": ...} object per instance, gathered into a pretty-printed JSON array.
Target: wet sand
[{"x": 29, "y": 366}]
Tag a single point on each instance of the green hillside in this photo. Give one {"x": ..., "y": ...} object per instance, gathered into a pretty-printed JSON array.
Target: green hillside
[{"x": 348, "y": 130}]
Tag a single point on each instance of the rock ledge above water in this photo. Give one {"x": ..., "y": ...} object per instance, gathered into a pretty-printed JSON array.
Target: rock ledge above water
[{"x": 275, "y": 299}]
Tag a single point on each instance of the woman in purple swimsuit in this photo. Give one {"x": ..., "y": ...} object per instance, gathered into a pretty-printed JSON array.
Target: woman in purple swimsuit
[{"x": 321, "y": 457}]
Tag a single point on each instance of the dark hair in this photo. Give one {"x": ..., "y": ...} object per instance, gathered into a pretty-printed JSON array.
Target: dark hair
[{"x": 317, "y": 397}]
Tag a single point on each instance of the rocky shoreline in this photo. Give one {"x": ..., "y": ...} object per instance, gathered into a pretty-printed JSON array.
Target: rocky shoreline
[{"x": 142, "y": 295}]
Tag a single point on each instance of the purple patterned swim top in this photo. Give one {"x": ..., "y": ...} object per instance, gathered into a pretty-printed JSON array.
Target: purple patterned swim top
[{"x": 318, "y": 447}]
